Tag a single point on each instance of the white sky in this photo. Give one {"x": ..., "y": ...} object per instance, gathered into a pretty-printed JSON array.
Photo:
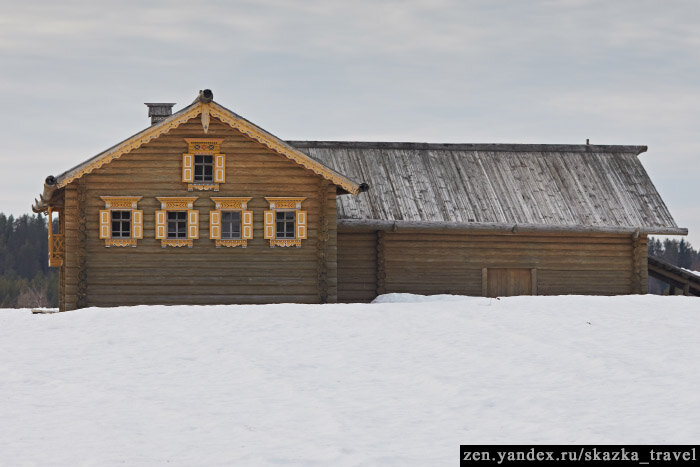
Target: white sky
[{"x": 74, "y": 76}]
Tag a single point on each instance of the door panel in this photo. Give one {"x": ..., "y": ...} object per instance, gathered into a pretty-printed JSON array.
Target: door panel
[{"x": 506, "y": 282}]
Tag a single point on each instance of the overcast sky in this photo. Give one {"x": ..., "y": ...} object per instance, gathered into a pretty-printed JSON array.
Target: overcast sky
[{"x": 75, "y": 76}]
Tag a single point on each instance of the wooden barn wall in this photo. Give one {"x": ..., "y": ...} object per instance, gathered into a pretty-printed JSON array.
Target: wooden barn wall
[
  {"x": 434, "y": 263},
  {"x": 357, "y": 266},
  {"x": 204, "y": 274}
]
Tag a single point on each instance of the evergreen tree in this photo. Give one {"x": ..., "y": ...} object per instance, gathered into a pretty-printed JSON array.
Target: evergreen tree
[
  {"x": 685, "y": 254},
  {"x": 25, "y": 277}
]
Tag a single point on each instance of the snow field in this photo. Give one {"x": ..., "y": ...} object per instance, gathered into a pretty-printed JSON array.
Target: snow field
[{"x": 403, "y": 381}]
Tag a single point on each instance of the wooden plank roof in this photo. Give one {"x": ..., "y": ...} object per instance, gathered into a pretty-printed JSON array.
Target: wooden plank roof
[{"x": 537, "y": 187}]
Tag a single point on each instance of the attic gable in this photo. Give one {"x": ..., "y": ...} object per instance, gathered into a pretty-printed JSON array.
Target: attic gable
[{"x": 205, "y": 108}]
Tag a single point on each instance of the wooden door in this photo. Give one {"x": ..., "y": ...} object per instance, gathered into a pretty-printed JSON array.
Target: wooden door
[{"x": 506, "y": 282}]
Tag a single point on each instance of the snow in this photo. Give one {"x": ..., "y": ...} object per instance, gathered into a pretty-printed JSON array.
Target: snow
[
  {"x": 696, "y": 273},
  {"x": 400, "y": 382}
]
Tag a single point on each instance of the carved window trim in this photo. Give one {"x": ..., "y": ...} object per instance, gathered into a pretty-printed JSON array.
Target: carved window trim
[
  {"x": 121, "y": 203},
  {"x": 203, "y": 147},
  {"x": 300, "y": 221},
  {"x": 231, "y": 204},
  {"x": 169, "y": 204},
  {"x": 57, "y": 240}
]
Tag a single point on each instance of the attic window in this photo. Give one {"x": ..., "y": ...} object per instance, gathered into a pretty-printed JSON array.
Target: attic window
[{"x": 203, "y": 166}]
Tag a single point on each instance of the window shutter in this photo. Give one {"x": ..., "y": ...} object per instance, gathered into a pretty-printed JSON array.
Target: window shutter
[
  {"x": 301, "y": 225},
  {"x": 161, "y": 225},
  {"x": 105, "y": 224},
  {"x": 219, "y": 168},
  {"x": 246, "y": 225},
  {"x": 193, "y": 224},
  {"x": 188, "y": 168},
  {"x": 136, "y": 224},
  {"x": 269, "y": 224},
  {"x": 215, "y": 225}
]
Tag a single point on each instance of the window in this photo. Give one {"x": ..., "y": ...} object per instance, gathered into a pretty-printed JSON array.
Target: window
[
  {"x": 177, "y": 222},
  {"x": 231, "y": 224},
  {"x": 121, "y": 224},
  {"x": 285, "y": 222},
  {"x": 203, "y": 166}
]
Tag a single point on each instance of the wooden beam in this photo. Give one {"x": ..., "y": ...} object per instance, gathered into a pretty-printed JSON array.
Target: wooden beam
[
  {"x": 322, "y": 243},
  {"x": 82, "y": 298},
  {"x": 381, "y": 263},
  {"x": 640, "y": 279}
]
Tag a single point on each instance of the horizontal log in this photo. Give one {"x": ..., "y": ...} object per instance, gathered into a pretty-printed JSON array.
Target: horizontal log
[
  {"x": 355, "y": 298},
  {"x": 358, "y": 271},
  {"x": 204, "y": 204},
  {"x": 508, "y": 258},
  {"x": 162, "y": 161},
  {"x": 168, "y": 169},
  {"x": 368, "y": 286},
  {"x": 130, "y": 180},
  {"x": 96, "y": 290},
  {"x": 222, "y": 272},
  {"x": 404, "y": 271},
  {"x": 119, "y": 300},
  {"x": 503, "y": 248},
  {"x": 491, "y": 237},
  {"x": 273, "y": 269},
  {"x": 410, "y": 288}
]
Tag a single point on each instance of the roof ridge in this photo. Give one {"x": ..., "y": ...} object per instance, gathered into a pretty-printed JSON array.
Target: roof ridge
[{"x": 496, "y": 147}]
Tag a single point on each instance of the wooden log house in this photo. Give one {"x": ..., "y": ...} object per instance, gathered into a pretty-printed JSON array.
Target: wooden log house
[{"x": 205, "y": 207}]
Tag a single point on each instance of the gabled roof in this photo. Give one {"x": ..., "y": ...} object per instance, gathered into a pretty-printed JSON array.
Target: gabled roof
[
  {"x": 207, "y": 109},
  {"x": 496, "y": 186}
]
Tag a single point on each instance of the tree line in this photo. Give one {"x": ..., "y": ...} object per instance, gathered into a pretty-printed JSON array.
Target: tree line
[{"x": 25, "y": 278}]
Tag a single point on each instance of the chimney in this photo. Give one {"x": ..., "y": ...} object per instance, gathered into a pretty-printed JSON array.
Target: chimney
[{"x": 159, "y": 111}]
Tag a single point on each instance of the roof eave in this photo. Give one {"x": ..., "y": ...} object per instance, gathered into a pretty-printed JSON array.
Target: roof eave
[
  {"x": 407, "y": 226},
  {"x": 128, "y": 144},
  {"x": 282, "y": 147}
]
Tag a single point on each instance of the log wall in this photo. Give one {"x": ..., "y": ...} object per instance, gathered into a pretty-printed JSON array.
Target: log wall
[
  {"x": 357, "y": 267},
  {"x": 453, "y": 263},
  {"x": 204, "y": 274}
]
